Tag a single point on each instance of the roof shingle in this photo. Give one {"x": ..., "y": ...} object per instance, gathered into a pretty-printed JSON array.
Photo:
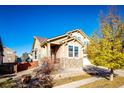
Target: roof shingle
[{"x": 42, "y": 39}]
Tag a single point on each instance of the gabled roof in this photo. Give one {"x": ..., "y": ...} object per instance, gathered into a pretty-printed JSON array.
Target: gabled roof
[
  {"x": 8, "y": 49},
  {"x": 80, "y": 31},
  {"x": 66, "y": 34},
  {"x": 45, "y": 40},
  {"x": 73, "y": 38},
  {"x": 40, "y": 39}
]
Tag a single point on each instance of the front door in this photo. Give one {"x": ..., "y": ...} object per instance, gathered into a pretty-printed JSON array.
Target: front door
[
  {"x": 54, "y": 49},
  {"x": 53, "y": 54}
]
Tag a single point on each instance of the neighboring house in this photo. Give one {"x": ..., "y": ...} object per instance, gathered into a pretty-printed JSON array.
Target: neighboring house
[
  {"x": 1, "y": 52},
  {"x": 26, "y": 57},
  {"x": 67, "y": 49},
  {"x": 8, "y": 64},
  {"x": 9, "y": 55}
]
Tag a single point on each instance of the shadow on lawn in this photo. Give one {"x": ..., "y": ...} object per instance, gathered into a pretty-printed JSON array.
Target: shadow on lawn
[{"x": 97, "y": 71}]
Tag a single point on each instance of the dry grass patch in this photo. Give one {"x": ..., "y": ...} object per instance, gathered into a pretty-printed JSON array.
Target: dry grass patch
[
  {"x": 104, "y": 83},
  {"x": 70, "y": 79}
]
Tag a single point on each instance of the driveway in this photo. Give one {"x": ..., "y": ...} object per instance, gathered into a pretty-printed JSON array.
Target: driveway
[
  {"x": 95, "y": 70},
  {"x": 120, "y": 72}
]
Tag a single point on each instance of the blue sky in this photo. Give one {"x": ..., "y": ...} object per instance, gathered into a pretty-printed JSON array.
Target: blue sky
[{"x": 18, "y": 24}]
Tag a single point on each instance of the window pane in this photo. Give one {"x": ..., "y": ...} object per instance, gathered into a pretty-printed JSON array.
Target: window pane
[
  {"x": 76, "y": 51},
  {"x": 35, "y": 54},
  {"x": 79, "y": 38},
  {"x": 70, "y": 51}
]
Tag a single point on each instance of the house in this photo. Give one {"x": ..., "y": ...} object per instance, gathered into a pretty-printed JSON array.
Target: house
[
  {"x": 8, "y": 60},
  {"x": 67, "y": 49},
  {"x": 1, "y": 51},
  {"x": 9, "y": 55},
  {"x": 26, "y": 57}
]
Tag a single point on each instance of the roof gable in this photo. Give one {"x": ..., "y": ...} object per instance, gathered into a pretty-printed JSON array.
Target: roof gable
[
  {"x": 78, "y": 31},
  {"x": 40, "y": 39},
  {"x": 68, "y": 34}
]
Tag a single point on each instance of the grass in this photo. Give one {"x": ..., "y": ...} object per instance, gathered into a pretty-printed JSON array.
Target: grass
[
  {"x": 7, "y": 84},
  {"x": 11, "y": 83},
  {"x": 104, "y": 83},
  {"x": 70, "y": 79}
]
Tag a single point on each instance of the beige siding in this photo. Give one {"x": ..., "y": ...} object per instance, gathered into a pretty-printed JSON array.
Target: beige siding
[
  {"x": 37, "y": 46},
  {"x": 9, "y": 56},
  {"x": 58, "y": 41},
  {"x": 41, "y": 51},
  {"x": 64, "y": 49},
  {"x": 60, "y": 52}
]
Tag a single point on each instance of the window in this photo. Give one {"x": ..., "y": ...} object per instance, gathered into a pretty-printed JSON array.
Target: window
[
  {"x": 35, "y": 54},
  {"x": 76, "y": 51},
  {"x": 70, "y": 51},
  {"x": 73, "y": 51},
  {"x": 79, "y": 38},
  {"x": 85, "y": 42}
]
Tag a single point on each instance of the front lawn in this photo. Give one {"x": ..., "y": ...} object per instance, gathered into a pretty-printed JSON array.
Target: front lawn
[
  {"x": 104, "y": 83},
  {"x": 7, "y": 84},
  {"x": 70, "y": 79}
]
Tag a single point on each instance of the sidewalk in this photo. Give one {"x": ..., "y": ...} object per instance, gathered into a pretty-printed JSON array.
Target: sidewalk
[
  {"x": 79, "y": 83},
  {"x": 121, "y": 86},
  {"x": 120, "y": 72}
]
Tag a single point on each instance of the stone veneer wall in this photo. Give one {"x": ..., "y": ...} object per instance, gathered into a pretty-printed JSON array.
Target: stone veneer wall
[
  {"x": 66, "y": 63},
  {"x": 69, "y": 74}
]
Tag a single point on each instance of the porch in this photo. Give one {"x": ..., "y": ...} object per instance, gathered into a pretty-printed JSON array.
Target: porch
[{"x": 52, "y": 52}]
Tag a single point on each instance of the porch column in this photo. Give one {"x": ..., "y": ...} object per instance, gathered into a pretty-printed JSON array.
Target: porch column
[{"x": 48, "y": 50}]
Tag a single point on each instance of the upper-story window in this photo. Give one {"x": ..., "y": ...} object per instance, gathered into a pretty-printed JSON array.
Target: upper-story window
[
  {"x": 85, "y": 42},
  {"x": 77, "y": 37},
  {"x": 70, "y": 49},
  {"x": 76, "y": 51}
]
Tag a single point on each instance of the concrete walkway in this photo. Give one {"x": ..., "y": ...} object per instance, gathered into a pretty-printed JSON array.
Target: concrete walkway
[
  {"x": 121, "y": 86},
  {"x": 120, "y": 72},
  {"x": 78, "y": 83}
]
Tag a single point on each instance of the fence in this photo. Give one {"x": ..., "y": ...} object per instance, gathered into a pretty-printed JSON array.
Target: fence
[
  {"x": 8, "y": 68},
  {"x": 26, "y": 65}
]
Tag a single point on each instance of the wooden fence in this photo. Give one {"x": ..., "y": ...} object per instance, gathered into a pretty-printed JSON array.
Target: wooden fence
[
  {"x": 26, "y": 65},
  {"x": 9, "y": 68}
]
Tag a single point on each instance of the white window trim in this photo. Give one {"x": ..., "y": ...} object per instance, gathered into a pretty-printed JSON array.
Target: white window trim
[{"x": 74, "y": 51}]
